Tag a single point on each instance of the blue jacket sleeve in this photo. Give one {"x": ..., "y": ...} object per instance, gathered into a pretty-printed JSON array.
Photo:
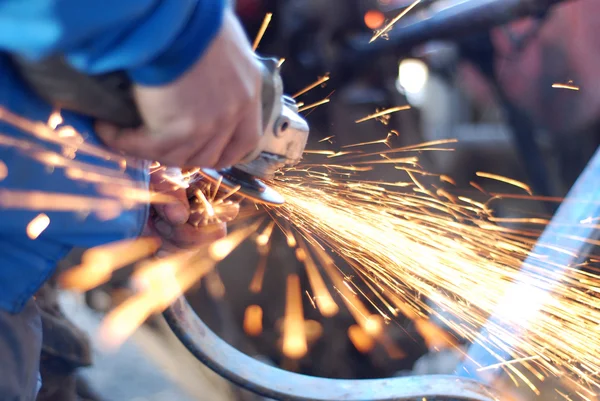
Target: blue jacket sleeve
[
  {"x": 24, "y": 262},
  {"x": 154, "y": 40}
]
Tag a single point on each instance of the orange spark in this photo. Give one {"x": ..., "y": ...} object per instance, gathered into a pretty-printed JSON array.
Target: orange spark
[
  {"x": 383, "y": 113},
  {"x": 259, "y": 276},
  {"x": 294, "y": 334},
  {"x": 98, "y": 264},
  {"x": 386, "y": 28},
  {"x": 435, "y": 337},
  {"x": 506, "y": 180},
  {"x": 318, "y": 82},
  {"x": 262, "y": 30},
  {"x": 566, "y": 86},
  {"x": 361, "y": 340},
  {"x": 312, "y": 106},
  {"x": 449, "y": 180},
  {"x": 55, "y": 119},
  {"x": 214, "y": 285},
  {"x": 327, "y": 139},
  {"x": 3, "y": 170},
  {"x": 37, "y": 225},
  {"x": 325, "y": 302},
  {"x": 253, "y": 317}
]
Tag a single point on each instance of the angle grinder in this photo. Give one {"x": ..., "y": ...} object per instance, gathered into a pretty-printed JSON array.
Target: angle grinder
[{"x": 109, "y": 98}]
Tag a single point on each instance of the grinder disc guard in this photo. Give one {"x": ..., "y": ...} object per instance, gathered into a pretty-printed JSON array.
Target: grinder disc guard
[{"x": 250, "y": 187}]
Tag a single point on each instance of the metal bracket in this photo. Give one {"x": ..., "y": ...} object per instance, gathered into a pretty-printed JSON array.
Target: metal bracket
[{"x": 279, "y": 384}]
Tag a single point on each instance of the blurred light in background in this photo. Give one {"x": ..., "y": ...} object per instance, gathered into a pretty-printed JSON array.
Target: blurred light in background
[
  {"x": 412, "y": 78},
  {"x": 374, "y": 19}
]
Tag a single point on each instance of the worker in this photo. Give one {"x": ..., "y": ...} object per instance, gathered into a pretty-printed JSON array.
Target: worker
[{"x": 197, "y": 86}]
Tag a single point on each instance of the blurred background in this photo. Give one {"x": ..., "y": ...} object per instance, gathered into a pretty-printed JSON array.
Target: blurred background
[{"x": 495, "y": 90}]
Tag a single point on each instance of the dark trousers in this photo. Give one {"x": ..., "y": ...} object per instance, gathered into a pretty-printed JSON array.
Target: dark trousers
[
  {"x": 41, "y": 352},
  {"x": 20, "y": 349}
]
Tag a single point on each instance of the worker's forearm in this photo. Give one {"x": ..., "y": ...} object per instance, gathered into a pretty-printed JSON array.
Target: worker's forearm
[{"x": 154, "y": 40}]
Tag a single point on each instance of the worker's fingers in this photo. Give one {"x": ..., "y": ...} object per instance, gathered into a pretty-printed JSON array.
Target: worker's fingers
[
  {"x": 170, "y": 181},
  {"x": 244, "y": 140},
  {"x": 188, "y": 236},
  {"x": 223, "y": 212}
]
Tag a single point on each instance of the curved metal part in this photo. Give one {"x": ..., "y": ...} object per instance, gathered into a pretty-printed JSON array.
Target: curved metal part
[
  {"x": 524, "y": 299},
  {"x": 279, "y": 384}
]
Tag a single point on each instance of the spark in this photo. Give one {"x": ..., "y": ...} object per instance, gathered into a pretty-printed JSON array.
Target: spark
[
  {"x": 257, "y": 280},
  {"x": 313, "y": 105},
  {"x": 514, "y": 361},
  {"x": 310, "y": 298},
  {"x": 327, "y": 139},
  {"x": 3, "y": 170},
  {"x": 478, "y": 187},
  {"x": 338, "y": 154},
  {"x": 387, "y": 28},
  {"x": 55, "y": 119},
  {"x": 294, "y": 332},
  {"x": 383, "y": 113},
  {"x": 506, "y": 180},
  {"x": 449, "y": 180},
  {"x": 313, "y": 330},
  {"x": 404, "y": 244},
  {"x": 361, "y": 340},
  {"x": 318, "y": 82},
  {"x": 98, "y": 264},
  {"x": 385, "y": 141},
  {"x": 262, "y": 30},
  {"x": 264, "y": 238},
  {"x": 214, "y": 285},
  {"x": 160, "y": 282},
  {"x": 320, "y": 152},
  {"x": 37, "y": 225},
  {"x": 227, "y": 195},
  {"x": 253, "y": 317},
  {"x": 569, "y": 86},
  {"x": 208, "y": 207},
  {"x": 323, "y": 299},
  {"x": 38, "y": 200},
  {"x": 435, "y": 337}
]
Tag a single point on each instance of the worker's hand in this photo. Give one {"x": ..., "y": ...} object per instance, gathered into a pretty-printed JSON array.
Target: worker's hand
[
  {"x": 174, "y": 223},
  {"x": 209, "y": 117}
]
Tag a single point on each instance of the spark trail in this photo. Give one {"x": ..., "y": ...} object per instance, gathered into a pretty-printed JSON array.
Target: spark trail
[{"x": 448, "y": 250}]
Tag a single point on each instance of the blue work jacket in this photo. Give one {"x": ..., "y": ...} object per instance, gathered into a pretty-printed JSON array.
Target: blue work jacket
[{"x": 154, "y": 41}]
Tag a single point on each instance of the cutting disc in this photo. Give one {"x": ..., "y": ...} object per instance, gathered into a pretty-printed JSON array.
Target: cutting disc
[{"x": 250, "y": 187}]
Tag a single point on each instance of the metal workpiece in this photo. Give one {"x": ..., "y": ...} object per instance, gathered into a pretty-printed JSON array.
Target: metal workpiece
[
  {"x": 275, "y": 383},
  {"x": 524, "y": 298}
]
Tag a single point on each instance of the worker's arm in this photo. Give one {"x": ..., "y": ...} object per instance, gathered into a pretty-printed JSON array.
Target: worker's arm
[
  {"x": 207, "y": 117},
  {"x": 154, "y": 40}
]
